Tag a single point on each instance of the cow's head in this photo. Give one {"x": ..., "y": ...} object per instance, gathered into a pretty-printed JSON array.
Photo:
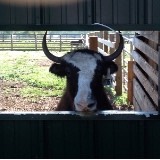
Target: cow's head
[{"x": 84, "y": 70}]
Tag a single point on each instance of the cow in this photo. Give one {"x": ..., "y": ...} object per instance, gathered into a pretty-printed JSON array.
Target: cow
[{"x": 84, "y": 70}]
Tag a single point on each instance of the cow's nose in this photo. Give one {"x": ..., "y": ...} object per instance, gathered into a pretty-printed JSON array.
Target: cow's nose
[{"x": 91, "y": 105}]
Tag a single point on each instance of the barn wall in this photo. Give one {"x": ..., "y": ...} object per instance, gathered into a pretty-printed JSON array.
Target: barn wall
[
  {"x": 122, "y": 15},
  {"x": 70, "y": 136},
  {"x": 145, "y": 83}
]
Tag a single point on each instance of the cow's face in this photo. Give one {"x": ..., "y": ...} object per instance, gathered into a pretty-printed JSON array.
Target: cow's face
[{"x": 84, "y": 70}]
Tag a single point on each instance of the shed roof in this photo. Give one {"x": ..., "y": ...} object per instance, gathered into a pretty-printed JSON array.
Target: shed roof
[{"x": 79, "y": 14}]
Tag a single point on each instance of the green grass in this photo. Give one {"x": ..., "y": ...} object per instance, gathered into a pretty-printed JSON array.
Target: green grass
[{"x": 40, "y": 83}]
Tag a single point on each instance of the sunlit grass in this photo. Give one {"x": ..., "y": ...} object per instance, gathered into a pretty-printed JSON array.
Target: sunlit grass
[{"x": 38, "y": 79}]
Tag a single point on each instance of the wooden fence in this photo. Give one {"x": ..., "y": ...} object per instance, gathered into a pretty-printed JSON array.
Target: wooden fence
[
  {"x": 56, "y": 42},
  {"x": 68, "y": 135},
  {"x": 106, "y": 43},
  {"x": 145, "y": 70}
]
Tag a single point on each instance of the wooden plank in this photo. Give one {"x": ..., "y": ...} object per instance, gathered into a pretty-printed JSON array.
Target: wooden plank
[
  {"x": 93, "y": 43},
  {"x": 112, "y": 40},
  {"x": 107, "y": 42},
  {"x": 152, "y": 73},
  {"x": 105, "y": 38},
  {"x": 136, "y": 105},
  {"x": 146, "y": 49},
  {"x": 130, "y": 81},
  {"x": 146, "y": 84},
  {"x": 118, "y": 61},
  {"x": 142, "y": 98},
  {"x": 102, "y": 51},
  {"x": 152, "y": 35}
]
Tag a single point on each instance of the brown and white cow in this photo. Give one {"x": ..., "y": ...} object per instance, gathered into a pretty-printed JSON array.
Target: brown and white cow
[{"x": 83, "y": 69}]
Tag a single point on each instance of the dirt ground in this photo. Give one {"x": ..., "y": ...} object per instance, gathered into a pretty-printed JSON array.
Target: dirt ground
[{"x": 11, "y": 99}]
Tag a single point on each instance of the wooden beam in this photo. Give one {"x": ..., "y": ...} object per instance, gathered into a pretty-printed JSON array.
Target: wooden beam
[
  {"x": 142, "y": 98},
  {"x": 105, "y": 38},
  {"x": 136, "y": 105},
  {"x": 146, "y": 49},
  {"x": 146, "y": 84},
  {"x": 152, "y": 35},
  {"x": 130, "y": 82},
  {"x": 118, "y": 61},
  {"x": 93, "y": 43},
  {"x": 152, "y": 73}
]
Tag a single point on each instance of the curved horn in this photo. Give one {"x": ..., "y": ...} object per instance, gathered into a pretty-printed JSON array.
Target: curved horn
[
  {"x": 47, "y": 53},
  {"x": 117, "y": 52}
]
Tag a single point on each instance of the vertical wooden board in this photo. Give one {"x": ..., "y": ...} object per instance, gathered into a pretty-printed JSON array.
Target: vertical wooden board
[
  {"x": 2, "y": 143},
  {"x": 118, "y": 139},
  {"x": 106, "y": 11},
  {"x": 72, "y": 141},
  {"x": 22, "y": 139},
  {"x": 152, "y": 140},
  {"x": 68, "y": 139},
  {"x": 87, "y": 139},
  {"x": 30, "y": 13},
  {"x": 63, "y": 14},
  {"x": 55, "y": 15},
  {"x": 72, "y": 13},
  {"x": 90, "y": 12},
  {"x": 149, "y": 9},
  {"x": 122, "y": 146},
  {"x": 80, "y": 12},
  {"x": 123, "y": 12},
  {"x": 19, "y": 14},
  {"x": 53, "y": 139},
  {"x": 141, "y": 12},
  {"x": 130, "y": 81},
  {"x": 78, "y": 136},
  {"x": 156, "y": 12},
  {"x": 133, "y": 11},
  {"x": 8, "y": 141},
  {"x": 37, "y": 139},
  {"x": 5, "y": 14},
  {"x": 98, "y": 11},
  {"x": 136, "y": 138},
  {"x": 115, "y": 11},
  {"x": 104, "y": 139}
]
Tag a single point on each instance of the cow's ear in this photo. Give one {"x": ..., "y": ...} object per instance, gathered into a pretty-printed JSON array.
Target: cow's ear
[
  {"x": 57, "y": 69},
  {"x": 112, "y": 66}
]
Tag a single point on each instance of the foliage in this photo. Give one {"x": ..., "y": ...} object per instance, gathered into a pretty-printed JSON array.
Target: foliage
[{"x": 117, "y": 100}]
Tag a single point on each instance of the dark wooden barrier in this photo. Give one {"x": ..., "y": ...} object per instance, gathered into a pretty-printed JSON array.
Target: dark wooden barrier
[
  {"x": 108, "y": 134},
  {"x": 145, "y": 82}
]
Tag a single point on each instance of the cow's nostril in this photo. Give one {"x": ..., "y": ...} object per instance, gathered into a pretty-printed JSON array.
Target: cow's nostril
[{"x": 91, "y": 105}]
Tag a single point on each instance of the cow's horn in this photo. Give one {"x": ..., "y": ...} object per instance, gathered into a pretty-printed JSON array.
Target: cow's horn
[
  {"x": 117, "y": 52},
  {"x": 47, "y": 53}
]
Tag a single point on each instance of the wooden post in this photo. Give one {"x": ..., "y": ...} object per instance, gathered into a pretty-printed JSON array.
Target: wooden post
[
  {"x": 130, "y": 81},
  {"x": 118, "y": 61},
  {"x": 60, "y": 44},
  {"x": 35, "y": 36},
  {"x": 106, "y": 38},
  {"x": 11, "y": 42},
  {"x": 93, "y": 43},
  {"x": 111, "y": 50},
  {"x": 100, "y": 45},
  {"x": 159, "y": 79}
]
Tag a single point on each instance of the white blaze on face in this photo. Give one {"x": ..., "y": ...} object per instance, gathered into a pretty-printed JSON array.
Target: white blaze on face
[{"x": 87, "y": 64}]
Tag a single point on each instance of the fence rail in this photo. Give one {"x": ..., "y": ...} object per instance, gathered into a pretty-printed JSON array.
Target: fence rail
[
  {"x": 58, "y": 42},
  {"x": 106, "y": 43}
]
